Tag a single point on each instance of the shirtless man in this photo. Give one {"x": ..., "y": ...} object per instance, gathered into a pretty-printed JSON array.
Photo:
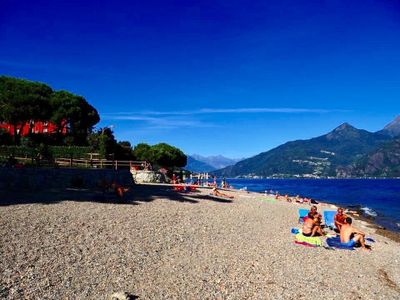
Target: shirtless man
[
  {"x": 312, "y": 225},
  {"x": 351, "y": 236},
  {"x": 340, "y": 218}
]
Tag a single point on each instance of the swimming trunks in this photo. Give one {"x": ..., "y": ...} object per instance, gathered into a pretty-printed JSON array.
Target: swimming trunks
[
  {"x": 350, "y": 243},
  {"x": 307, "y": 234}
]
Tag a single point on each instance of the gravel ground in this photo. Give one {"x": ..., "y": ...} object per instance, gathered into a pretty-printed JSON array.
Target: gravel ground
[{"x": 165, "y": 245}]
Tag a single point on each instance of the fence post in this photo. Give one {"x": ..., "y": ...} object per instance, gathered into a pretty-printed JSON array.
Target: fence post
[{"x": 116, "y": 165}]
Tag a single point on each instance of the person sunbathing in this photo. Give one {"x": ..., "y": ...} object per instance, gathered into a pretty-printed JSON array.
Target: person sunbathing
[
  {"x": 350, "y": 236},
  {"x": 312, "y": 225},
  {"x": 298, "y": 199},
  {"x": 119, "y": 190},
  {"x": 219, "y": 194},
  {"x": 339, "y": 218},
  {"x": 287, "y": 198}
]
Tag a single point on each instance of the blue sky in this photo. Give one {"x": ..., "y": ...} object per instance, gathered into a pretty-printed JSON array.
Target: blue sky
[{"x": 213, "y": 77}]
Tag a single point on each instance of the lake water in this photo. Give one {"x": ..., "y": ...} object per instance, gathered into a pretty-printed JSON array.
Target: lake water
[{"x": 377, "y": 198}]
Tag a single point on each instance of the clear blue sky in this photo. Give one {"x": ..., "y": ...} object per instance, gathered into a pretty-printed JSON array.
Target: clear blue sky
[{"x": 213, "y": 77}]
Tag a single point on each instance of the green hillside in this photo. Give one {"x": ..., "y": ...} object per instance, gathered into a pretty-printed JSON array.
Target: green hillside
[
  {"x": 382, "y": 162},
  {"x": 317, "y": 157}
]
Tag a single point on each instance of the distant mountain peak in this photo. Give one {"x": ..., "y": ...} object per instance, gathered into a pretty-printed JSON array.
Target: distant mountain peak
[
  {"x": 344, "y": 126},
  {"x": 343, "y": 131},
  {"x": 393, "y": 128},
  {"x": 217, "y": 161}
]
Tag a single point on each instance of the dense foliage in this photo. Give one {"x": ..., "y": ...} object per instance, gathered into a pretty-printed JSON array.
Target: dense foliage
[
  {"x": 162, "y": 155},
  {"x": 51, "y": 151},
  {"x": 22, "y": 101},
  {"x": 104, "y": 142}
]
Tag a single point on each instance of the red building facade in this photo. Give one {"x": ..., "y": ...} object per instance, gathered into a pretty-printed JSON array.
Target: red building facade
[{"x": 37, "y": 127}]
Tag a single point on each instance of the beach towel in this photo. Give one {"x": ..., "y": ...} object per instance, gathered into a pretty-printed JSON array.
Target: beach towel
[
  {"x": 329, "y": 218},
  {"x": 267, "y": 199},
  {"x": 305, "y": 244},
  {"x": 335, "y": 243},
  {"x": 316, "y": 241},
  {"x": 303, "y": 212}
]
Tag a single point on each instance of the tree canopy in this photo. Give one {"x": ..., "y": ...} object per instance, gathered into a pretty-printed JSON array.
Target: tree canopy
[
  {"x": 23, "y": 101},
  {"x": 104, "y": 142},
  {"x": 161, "y": 154}
]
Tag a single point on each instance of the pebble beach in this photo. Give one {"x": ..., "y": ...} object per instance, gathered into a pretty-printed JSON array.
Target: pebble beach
[{"x": 161, "y": 244}]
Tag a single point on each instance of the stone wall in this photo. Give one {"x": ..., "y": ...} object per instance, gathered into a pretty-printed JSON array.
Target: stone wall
[{"x": 36, "y": 179}]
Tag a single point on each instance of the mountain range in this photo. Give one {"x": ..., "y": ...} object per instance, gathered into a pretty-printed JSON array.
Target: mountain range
[
  {"x": 344, "y": 152},
  {"x": 198, "y": 163}
]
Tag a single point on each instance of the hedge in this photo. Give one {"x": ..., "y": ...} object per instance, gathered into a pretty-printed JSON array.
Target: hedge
[{"x": 54, "y": 151}]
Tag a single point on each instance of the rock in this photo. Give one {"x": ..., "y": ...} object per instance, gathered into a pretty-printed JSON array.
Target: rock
[
  {"x": 120, "y": 296},
  {"x": 148, "y": 177}
]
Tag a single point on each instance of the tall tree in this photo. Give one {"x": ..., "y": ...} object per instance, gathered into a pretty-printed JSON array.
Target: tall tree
[
  {"x": 168, "y": 156},
  {"x": 75, "y": 113},
  {"x": 64, "y": 106},
  {"x": 104, "y": 142},
  {"x": 22, "y": 101},
  {"x": 142, "y": 151}
]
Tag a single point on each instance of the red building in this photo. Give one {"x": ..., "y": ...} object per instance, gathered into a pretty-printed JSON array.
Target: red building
[{"x": 37, "y": 127}]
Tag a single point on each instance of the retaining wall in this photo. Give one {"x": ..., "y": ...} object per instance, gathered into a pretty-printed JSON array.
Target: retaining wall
[{"x": 36, "y": 179}]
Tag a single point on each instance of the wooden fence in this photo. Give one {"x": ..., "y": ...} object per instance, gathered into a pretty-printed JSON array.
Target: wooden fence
[
  {"x": 90, "y": 163},
  {"x": 101, "y": 163}
]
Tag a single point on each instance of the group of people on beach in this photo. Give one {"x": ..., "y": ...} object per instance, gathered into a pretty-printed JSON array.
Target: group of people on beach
[
  {"x": 349, "y": 235},
  {"x": 297, "y": 199}
]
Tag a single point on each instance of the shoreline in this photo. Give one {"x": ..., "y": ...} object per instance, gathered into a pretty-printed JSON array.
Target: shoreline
[
  {"x": 370, "y": 222},
  {"x": 318, "y": 178},
  {"x": 388, "y": 225}
]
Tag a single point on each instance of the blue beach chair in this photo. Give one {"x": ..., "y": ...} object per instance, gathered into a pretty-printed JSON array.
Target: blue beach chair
[
  {"x": 329, "y": 217},
  {"x": 303, "y": 212}
]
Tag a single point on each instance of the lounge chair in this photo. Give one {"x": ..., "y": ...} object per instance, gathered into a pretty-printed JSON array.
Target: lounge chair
[
  {"x": 329, "y": 218},
  {"x": 303, "y": 212}
]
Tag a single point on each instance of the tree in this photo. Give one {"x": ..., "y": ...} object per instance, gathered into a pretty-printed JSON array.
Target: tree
[
  {"x": 22, "y": 101},
  {"x": 82, "y": 126},
  {"x": 5, "y": 137},
  {"x": 168, "y": 156},
  {"x": 103, "y": 141},
  {"x": 75, "y": 113},
  {"x": 142, "y": 151},
  {"x": 124, "y": 151},
  {"x": 64, "y": 106}
]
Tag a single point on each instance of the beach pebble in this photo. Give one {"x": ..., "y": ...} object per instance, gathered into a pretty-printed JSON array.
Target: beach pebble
[{"x": 163, "y": 245}]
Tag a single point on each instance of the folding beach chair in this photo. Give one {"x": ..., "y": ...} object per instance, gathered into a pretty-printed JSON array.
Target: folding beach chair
[
  {"x": 303, "y": 212},
  {"x": 329, "y": 218}
]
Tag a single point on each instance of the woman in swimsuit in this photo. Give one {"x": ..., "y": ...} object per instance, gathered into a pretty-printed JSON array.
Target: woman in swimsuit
[{"x": 312, "y": 225}]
